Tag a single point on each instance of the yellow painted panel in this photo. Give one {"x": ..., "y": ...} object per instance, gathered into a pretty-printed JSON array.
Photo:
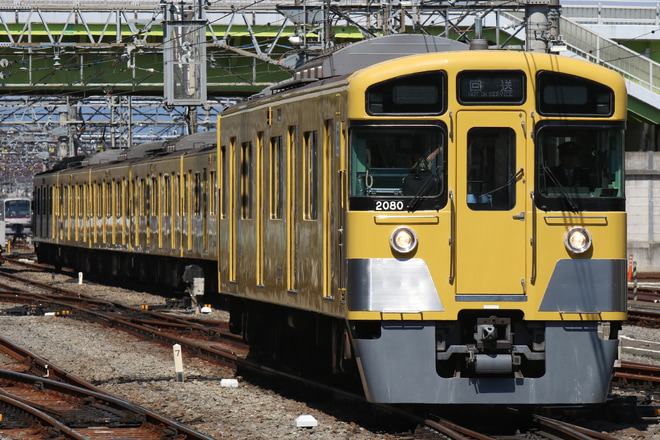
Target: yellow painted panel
[
  {"x": 411, "y": 316},
  {"x": 392, "y": 316},
  {"x": 409, "y": 219},
  {"x": 363, "y": 316}
]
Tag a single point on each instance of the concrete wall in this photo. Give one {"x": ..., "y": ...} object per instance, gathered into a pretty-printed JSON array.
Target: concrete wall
[{"x": 642, "y": 188}]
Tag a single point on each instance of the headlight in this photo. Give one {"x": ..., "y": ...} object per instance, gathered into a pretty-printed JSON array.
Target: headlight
[
  {"x": 403, "y": 240},
  {"x": 577, "y": 240}
]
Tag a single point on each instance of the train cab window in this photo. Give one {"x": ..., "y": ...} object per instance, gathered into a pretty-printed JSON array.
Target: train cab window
[
  {"x": 580, "y": 167},
  {"x": 398, "y": 168},
  {"x": 17, "y": 209},
  {"x": 491, "y": 169},
  {"x": 420, "y": 93},
  {"x": 560, "y": 94}
]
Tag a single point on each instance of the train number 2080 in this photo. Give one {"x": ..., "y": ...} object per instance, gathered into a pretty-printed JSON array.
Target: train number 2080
[{"x": 389, "y": 205}]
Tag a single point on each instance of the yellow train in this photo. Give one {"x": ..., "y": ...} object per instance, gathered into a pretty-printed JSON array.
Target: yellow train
[{"x": 452, "y": 222}]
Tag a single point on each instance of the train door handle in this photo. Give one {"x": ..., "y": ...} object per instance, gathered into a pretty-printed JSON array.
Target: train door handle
[{"x": 520, "y": 216}]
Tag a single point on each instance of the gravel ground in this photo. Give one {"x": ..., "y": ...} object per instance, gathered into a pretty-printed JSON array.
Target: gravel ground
[{"x": 143, "y": 372}]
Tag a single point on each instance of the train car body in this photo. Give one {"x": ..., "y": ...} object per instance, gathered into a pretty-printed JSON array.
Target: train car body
[
  {"x": 449, "y": 225},
  {"x": 17, "y": 214},
  {"x": 419, "y": 200},
  {"x": 142, "y": 214}
]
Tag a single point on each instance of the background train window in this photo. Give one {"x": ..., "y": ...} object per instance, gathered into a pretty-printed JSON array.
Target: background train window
[
  {"x": 562, "y": 94},
  {"x": 420, "y": 93},
  {"x": 311, "y": 175},
  {"x": 276, "y": 177},
  {"x": 579, "y": 162},
  {"x": 397, "y": 161},
  {"x": 491, "y": 169}
]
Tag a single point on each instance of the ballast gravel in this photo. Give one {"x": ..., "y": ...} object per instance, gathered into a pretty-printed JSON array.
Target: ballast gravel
[{"x": 143, "y": 372}]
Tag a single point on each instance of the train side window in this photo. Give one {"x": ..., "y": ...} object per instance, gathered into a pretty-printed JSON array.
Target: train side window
[
  {"x": 311, "y": 178},
  {"x": 154, "y": 194},
  {"x": 184, "y": 207},
  {"x": 197, "y": 190},
  {"x": 167, "y": 194},
  {"x": 276, "y": 177},
  {"x": 108, "y": 199},
  {"x": 224, "y": 183},
  {"x": 491, "y": 172},
  {"x": 98, "y": 199},
  {"x": 213, "y": 185},
  {"x": 144, "y": 197},
  {"x": 247, "y": 176},
  {"x": 204, "y": 192}
]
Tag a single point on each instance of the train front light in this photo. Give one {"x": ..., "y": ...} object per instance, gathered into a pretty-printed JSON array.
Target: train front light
[
  {"x": 403, "y": 240},
  {"x": 577, "y": 240}
]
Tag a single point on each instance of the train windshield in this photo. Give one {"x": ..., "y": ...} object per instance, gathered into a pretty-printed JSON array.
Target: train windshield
[
  {"x": 397, "y": 161},
  {"x": 580, "y": 167},
  {"x": 17, "y": 209}
]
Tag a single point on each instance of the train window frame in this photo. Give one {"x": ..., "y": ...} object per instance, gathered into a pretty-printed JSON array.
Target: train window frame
[
  {"x": 390, "y": 202},
  {"x": 578, "y": 200},
  {"x": 375, "y": 95},
  {"x": 573, "y": 81},
  {"x": 462, "y": 96}
]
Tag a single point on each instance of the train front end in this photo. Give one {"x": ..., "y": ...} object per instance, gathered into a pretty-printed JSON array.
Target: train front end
[{"x": 485, "y": 232}]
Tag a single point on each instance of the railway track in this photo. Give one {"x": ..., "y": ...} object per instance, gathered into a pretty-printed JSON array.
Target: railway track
[
  {"x": 204, "y": 338},
  {"x": 52, "y": 409}
]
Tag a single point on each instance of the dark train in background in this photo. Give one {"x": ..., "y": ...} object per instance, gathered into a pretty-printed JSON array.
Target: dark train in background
[{"x": 405, "y": 217}]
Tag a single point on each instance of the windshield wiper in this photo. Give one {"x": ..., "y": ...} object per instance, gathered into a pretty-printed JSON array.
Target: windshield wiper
[
  {"x": 417, "y": 198},
  {"x": 571, "y": 203}
]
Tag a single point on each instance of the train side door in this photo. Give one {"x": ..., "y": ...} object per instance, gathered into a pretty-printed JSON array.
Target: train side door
[{"x": 490, "y": 203}]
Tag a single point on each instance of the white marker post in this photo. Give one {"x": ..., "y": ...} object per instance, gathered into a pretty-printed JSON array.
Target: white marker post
[{"x": 178, "y": 362}]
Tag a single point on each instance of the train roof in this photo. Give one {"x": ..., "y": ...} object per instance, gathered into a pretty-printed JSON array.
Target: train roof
[
  {"x": 199, "y": 140},
  {"x": 348, "y": 59}
]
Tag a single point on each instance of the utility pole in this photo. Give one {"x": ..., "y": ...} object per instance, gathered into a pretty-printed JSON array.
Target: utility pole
[{"x": 542, "y": 25}]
